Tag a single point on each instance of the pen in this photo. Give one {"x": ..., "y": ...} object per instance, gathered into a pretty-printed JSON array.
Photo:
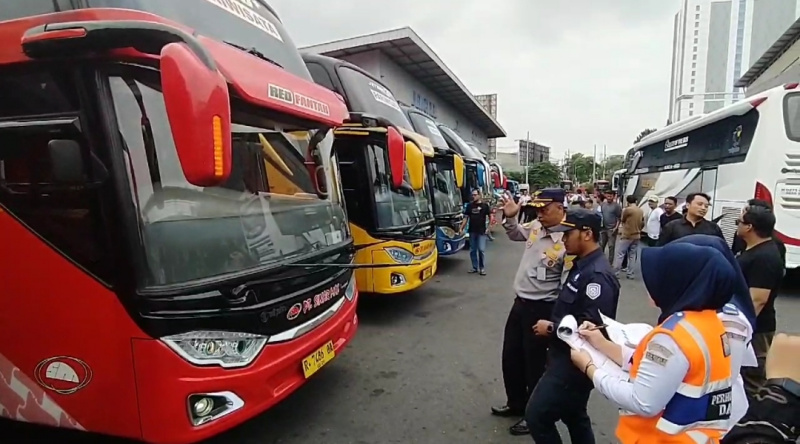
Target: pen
[{"x": 596, "y": 327}]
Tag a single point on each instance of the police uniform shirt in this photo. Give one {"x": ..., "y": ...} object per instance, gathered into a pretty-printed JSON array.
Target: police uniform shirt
[
  {"x": 540, "y": 270},
  {"x": 591, "y": 287}
]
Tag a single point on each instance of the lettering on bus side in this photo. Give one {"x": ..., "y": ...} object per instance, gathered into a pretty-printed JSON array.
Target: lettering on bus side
[
  {"x": 241, "y": 9},
  {"x": 298, "y": 100}
]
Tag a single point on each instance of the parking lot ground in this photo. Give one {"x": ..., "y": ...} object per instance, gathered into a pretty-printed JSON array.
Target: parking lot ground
[{"x": 423, "y": 368}]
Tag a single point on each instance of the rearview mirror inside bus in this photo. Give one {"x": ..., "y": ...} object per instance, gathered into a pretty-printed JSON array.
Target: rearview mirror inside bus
[
  {"x": 415, "y": 161},
  {"x": 68, "y": 166},
  {"x": 199, "y": 111},
  {"x": 396, "y": 148},
  {"x": 458, "y": 169}
]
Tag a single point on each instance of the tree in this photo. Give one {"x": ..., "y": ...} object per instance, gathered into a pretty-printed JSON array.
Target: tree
[
  {"x": 519, "y": 176},
  {"x": 579, "y": 168},
  {"x": 543, "y": 175},
  {"x": 613, "y": 163},
  {"x": 645, "y": 132}
]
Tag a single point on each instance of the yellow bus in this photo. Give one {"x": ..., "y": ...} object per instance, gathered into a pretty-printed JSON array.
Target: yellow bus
[{"x": 393, "y": 227}]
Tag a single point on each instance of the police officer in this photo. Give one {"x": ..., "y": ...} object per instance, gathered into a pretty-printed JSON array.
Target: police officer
[
  {"x": 536, "y": 286},
  {"x": 590, "y": 288}
]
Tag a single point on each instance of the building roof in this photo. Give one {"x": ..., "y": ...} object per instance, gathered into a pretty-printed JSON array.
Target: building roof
[
  {"x": 405, "y": 48},
  {"x": 777, "y": 49}
]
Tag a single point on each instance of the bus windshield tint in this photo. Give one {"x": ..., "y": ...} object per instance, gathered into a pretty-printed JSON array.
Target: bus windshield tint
[
  {"x": 396, "y": 208},
  {"x": 265, "y": 213},
  {"x": 244, "y": 23},
  {"x": 365, "y": 95},
  {"x": 446, "y": 196},
  {"x": 428, "y": 128}
]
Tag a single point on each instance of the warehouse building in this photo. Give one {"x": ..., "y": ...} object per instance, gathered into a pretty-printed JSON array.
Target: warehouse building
[
  {"x": 418, "y": 78},
  {"x": 778, "y": 65}
]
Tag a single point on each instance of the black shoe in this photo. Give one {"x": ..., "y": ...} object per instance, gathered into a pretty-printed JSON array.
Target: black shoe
[
  {"x": 520, "y": 428},
  {"x": 506, "y": 411}
]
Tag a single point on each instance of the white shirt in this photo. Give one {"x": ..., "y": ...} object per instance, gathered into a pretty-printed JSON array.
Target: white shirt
[
  {"x": 650, "y": 392},
  {"x": 653, "y": 223}
]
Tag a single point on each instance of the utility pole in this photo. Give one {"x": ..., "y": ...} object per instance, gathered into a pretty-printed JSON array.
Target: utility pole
[
  {"x": 594, "y": 165},
  {"x": 527, "y": 156},
  {"x": 604, "y": 162}
]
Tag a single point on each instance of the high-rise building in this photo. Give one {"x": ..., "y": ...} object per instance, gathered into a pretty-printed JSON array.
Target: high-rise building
[
  {"x": 714, "y": 43},
  {"x": 489, "y": 103}
]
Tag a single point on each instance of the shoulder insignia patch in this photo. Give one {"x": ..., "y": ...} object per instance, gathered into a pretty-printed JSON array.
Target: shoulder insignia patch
[
  {"x": 659, "y": 349},
  {"x": 593, "y": 290},
  {"x": 730, "y": 309},
  {"x": 726, "y": 345},
  {"x": 660, "y": 360}
]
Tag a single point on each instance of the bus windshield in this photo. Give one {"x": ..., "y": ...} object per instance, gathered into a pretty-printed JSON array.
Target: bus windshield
[
  {"x": 368, "y": 96},
  {"x": 267, "y": 211},
  {"x": 428, "y": 128},
  {"x": 465, "y": 150},
  {"x": 396, "y": 208},
  {"x": 244, "y": 23},
  {"x": 446, "y": 196}
]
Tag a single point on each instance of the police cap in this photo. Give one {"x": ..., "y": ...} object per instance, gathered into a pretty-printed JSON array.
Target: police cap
[
  {"x": 548, "y": 196},
  {"x": 579, "y": 219}
]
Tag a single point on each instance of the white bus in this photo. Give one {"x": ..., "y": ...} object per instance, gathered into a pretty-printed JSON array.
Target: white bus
[{"x": 750, "y": 149}]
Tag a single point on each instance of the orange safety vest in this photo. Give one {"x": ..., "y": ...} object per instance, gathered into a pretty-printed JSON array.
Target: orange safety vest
[{"x": 699, "y": 411}]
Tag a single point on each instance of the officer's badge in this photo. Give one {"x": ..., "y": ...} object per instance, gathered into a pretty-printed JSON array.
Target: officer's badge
[
  {"x": 558, "y": 247},
  {"x": 568, "y": 262},
  {"x": 550, "y": 263}
]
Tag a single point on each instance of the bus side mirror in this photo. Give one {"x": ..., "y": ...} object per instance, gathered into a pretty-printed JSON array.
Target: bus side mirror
[
  {"x": 199, "y": 111},
  {"x": 458, "y": 169},
  {"x": 396, "y": 148},
  {"x": 498, "y": 183},
  {"x": 481, "y": 175},
  {"x": 415, "y": 161}
]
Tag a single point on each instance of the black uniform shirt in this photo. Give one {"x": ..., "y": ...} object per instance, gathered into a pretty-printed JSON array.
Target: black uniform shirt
[
  {"x": 591, "y": 287},
  {"x": 682, "y": 227}
]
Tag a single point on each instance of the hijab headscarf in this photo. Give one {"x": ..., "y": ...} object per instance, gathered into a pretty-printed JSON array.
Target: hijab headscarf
[
  {"x": 741, "y": 291},
  {"x": 686, "y": 277}
]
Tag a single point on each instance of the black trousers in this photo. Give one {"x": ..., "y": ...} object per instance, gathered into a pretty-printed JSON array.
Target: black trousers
[
  {"x": 524, "y": 354},
  {"x": 561, "y": 395}
]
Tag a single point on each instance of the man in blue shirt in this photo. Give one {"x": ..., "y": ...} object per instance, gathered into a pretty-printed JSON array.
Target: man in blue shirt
[{"x": 591, "y": 287}]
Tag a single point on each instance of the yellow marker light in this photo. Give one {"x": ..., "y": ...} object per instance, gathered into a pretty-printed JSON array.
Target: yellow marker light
[{"x": 216, "y": 124}]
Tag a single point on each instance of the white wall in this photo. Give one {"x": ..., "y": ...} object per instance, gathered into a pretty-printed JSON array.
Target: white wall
[{"x": 406, "y": 88}]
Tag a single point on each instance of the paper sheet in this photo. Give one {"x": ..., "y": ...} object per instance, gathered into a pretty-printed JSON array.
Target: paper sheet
[
  {"x": 629, "y": 335},
  {"x": 567, "y": 331}
]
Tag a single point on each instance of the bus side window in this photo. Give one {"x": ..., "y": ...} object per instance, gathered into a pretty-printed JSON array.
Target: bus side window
[{"x": 66, "y": 215}]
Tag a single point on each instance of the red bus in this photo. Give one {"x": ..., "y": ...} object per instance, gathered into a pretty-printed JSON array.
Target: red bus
[{"x": 176, "y": 255}]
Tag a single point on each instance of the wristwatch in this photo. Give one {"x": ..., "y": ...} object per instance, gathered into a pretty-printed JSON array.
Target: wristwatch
[{"x": 550, "y": 328}]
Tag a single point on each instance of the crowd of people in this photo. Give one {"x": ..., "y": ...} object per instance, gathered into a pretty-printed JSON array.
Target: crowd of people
[{"x": 692, "y": 378}]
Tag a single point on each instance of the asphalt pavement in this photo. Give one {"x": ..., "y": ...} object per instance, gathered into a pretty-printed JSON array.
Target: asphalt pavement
[{"x": 423, "y": 368}]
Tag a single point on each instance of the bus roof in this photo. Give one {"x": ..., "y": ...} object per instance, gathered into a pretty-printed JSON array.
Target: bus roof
[
  {"x": 245, "y": 73},
  {"x": 692, "y": 123}
]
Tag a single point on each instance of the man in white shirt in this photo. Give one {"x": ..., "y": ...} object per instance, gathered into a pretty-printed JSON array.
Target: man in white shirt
[{"x": 652, "y": 225}]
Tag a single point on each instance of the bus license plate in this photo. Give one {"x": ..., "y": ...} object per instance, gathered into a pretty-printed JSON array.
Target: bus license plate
[
  {"x": 318, "y": 359},
  {"x": 790, "y": 190},
  {"x": 427, "y": 273}
]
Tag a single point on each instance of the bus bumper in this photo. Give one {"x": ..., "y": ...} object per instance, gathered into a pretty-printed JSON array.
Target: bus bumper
[
  {"x": 447, "y": 246},
  {"x": 405, "y": 277},
  {"x": 165, "y": 381}
]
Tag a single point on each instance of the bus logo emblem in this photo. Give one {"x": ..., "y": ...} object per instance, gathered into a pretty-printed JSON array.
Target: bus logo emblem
[
  {"x": 295, "y": 311},
  {"x": 64, "y": 375}
]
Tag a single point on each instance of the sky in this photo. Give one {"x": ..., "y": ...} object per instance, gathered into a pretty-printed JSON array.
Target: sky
[{"x": 574, "y": 74}]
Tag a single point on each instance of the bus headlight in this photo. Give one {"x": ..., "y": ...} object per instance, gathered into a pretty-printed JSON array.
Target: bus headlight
[
  {"x": 350, "y": 291},
  {"x": 449, "y": 232},
  {"x": 222, "y": 348},
  {"x": 399, "y": 255}
]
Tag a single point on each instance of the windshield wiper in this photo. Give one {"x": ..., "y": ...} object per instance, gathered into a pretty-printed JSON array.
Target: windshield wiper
[
  {"x": 419, "y": 222},
  {"x": 253, "y": 51}
]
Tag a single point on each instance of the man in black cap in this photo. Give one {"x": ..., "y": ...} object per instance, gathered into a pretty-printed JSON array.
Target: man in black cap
[
  {"x": 591, "y": 287},
  {"x": 536, "y": 288}
]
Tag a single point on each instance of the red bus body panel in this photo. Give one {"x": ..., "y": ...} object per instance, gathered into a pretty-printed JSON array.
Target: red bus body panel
[{"x": 129, "y": 384}]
